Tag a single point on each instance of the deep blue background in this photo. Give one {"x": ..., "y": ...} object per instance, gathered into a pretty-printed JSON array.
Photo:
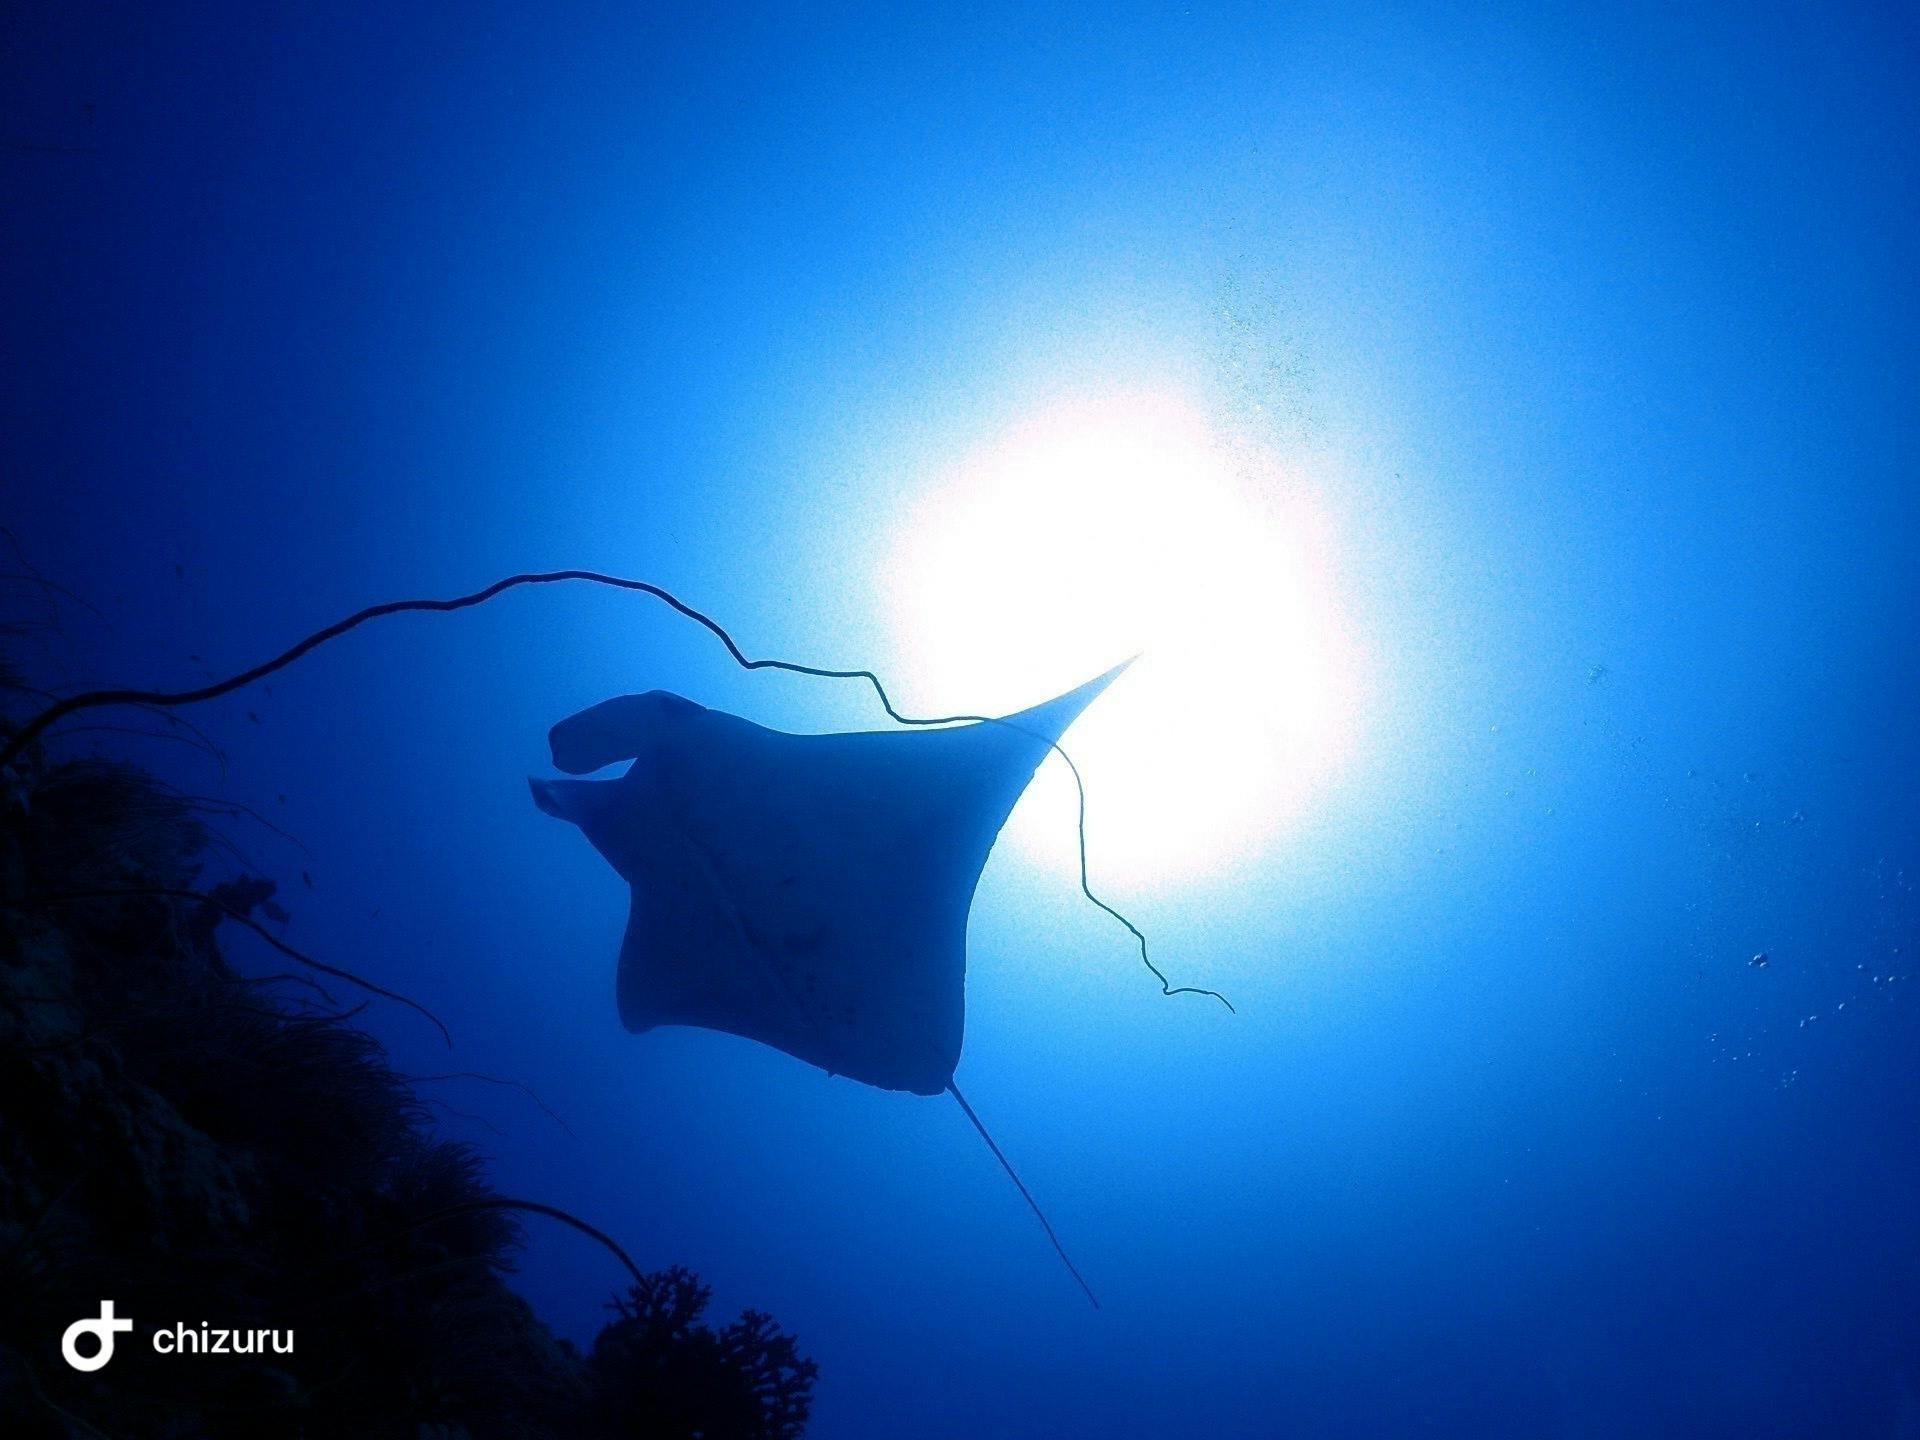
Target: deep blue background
[{"x": 1602, "y": 328}]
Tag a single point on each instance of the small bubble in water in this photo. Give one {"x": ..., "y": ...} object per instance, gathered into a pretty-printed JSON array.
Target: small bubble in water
[{"x": 1759, "y": 962}]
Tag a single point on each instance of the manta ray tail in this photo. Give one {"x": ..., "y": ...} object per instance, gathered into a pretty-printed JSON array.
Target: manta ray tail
[{"x": 1025, "y": 1194}]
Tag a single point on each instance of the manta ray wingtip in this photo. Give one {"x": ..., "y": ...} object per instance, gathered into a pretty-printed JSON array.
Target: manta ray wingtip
[
  {"x": 1048, "y": 720},
  {"x": 1100, "y": 682}
]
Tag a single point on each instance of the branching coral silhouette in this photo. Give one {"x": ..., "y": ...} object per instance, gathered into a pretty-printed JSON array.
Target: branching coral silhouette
[{"x": 663, "y": 1375}]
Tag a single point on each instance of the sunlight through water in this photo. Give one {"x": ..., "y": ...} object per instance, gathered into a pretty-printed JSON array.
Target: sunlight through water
[{"x": 1122, "y": 524}]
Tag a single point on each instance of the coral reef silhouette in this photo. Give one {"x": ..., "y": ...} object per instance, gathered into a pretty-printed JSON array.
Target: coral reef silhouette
[{"x": 200, "y": 1144}]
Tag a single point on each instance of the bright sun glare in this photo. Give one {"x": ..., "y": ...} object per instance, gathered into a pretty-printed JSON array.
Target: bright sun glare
[{"x": 1102, "y": 528}]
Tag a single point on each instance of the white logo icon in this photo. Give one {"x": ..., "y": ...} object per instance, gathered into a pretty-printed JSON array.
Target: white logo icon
[{"x": 103, "y": 1329}]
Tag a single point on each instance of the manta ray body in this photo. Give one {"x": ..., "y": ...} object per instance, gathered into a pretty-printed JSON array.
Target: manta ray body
[{"x": 810, "y": 892}]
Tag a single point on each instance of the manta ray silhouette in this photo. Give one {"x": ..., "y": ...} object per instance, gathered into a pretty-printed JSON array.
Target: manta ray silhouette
[{"x": 809, "y": 892}]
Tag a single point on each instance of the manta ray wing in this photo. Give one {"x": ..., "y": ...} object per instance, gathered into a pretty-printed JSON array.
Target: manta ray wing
[{"x": 809, "y": 892}]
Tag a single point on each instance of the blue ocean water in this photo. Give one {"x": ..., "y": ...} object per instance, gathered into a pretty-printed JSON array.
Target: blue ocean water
[{"x": 1583, "y": 340}]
